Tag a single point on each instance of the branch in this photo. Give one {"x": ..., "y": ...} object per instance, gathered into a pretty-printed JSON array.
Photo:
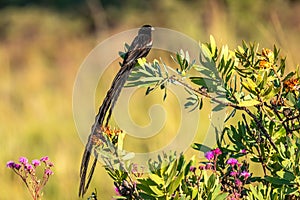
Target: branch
[
  {"x": 287, "y": 129},
  {"x": 227, "y": 104},
  {"x": 204, "y": 93},
  {"x": 258, "y": 150}
]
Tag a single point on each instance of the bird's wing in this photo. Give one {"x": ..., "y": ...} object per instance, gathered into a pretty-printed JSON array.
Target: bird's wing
[{"x": 139, "y": 48}]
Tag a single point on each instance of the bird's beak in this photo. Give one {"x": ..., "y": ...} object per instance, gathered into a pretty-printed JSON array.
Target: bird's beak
[{"x": 152, "y": 28}]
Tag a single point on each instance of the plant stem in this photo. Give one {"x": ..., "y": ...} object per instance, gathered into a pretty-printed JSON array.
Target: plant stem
[{"x": 228, "y": 104}]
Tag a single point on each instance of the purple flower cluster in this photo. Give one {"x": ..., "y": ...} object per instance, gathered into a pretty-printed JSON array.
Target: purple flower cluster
[
  {"x": 232, "y": 161},
  {"x": 236, "y": 169},
  {"x": 30, "y": 168},
  {"x": 237, "y": 174},
  {"x": 12, "y": 164},
  {"x": 210, "y": 155},
  {"x": 27, "y": 172}
]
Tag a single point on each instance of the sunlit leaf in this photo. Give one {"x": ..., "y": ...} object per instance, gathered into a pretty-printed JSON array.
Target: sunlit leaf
[
  {"x": 249, "y": 103},
  {"x": 213, "y": 44},
  {"x": 158, "y": 180}
]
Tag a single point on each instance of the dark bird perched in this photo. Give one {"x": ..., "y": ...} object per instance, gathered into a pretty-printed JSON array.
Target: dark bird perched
[{"x": 139, "y": 48}]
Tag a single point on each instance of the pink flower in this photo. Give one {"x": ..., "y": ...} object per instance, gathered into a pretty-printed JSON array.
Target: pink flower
[
  {"x": 117, "y": 191},
  {"x": 192, "y": 169},
  {"x": 44, "y": 159},
  {"x": 243, "y": 151},
  {"x": 245, "y": 174},
  {"x": 209, "y": 155},
  {"x": 48, "y": 172},
  {"x": 29, "y": 167},
  {"x": 202, "y": 167},
  {"x": 238, "y": 182},
  {"x": 232, "y": 161},
  {"x": 23, "y": 160},
  {"x": 50, "y": 164},
  {"x": 217, "y": 151},
  {"x": 36, "y": 163},
  {"x": 10, "y": 164},
  {"x": 208, "y": 166},
  {"x": 233, "y": 173},
  {"x": 17, "y": 166}
]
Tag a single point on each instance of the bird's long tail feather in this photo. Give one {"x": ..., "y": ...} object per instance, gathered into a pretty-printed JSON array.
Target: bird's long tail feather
[
  {"x": 104, "y": 111},
  {"x": 83, "y": 169}
]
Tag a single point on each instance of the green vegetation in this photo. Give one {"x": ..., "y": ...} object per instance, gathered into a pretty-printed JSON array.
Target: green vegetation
[
  {"x": 248, "y": 81},
  {"x": 42, "y": 48}
]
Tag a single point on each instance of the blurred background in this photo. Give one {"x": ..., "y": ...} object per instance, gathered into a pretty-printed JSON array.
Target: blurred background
[{"x": 44, "y": 42}]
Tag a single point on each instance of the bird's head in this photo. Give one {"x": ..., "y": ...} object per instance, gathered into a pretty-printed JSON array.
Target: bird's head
[{"x": 146, "y": 29}]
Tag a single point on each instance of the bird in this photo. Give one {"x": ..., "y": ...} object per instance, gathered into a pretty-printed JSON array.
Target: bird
[{"x": 139, "y": 48}]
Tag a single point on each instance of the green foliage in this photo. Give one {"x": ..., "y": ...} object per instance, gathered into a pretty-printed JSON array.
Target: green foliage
[
  {"x": 245, "y": 80},
  {"x": 173, "y": 177}
]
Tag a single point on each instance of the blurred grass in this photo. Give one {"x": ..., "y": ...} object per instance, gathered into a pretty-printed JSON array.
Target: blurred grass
[{"x": 41, "y": 50}]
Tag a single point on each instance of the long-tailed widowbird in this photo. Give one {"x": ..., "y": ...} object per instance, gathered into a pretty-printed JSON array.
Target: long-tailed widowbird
[{"x": 139, "y": 48}]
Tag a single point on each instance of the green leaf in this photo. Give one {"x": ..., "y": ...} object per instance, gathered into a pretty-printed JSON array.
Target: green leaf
[
  {"x": 288, "y": 76},
  {"x": 255, "y": 159},
  {"x": 187, "y": 57},
  {"x": 249, "y": 103},
  {"x": 156, "y": 191},
  {"x": 206, "y": 53},
  {"x": 128, "y": 156},
  {"x": 217, "y": 193},
  {"x": 218, "y": 107},
  {"x": 151, "y": 79},
  {"x": 286, "y": 175},
  {"x": 120, "y": 141},
  {"x": 146, "y": 196},
  {"x": 211, "y": 182},
  {"x": 249, "y": 85},
  {"x": 213, "y": 45},
  {"x": 222, "y": 196},
  {"x": 280, "y": 133},
  {"x": 205, "y": 72},
  {"x": 266, "y": 93},
  {"x": 181, "y": 162},
  {"x": 122, "y": 54},
  {"x": 201, "y": 147},
  {"x": 255, "y": 193},
  {"x": 206, "y": 59},
  {"x": 119, "y": 197},
  {"x": 194, "y": 193},
  {"x": 291, "y": 98},
  {"x": 171, "y": 172},
  {"x": 157, "y": 179},
  {"x": 175, "y": 184},
  {"x": 276, "y": 180},
  {"x": 200, "y": 103},
  {"x": 230, "y": 115},
  {"x": 208, "y": 83},
  {"x": 187, "y": 167}
]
